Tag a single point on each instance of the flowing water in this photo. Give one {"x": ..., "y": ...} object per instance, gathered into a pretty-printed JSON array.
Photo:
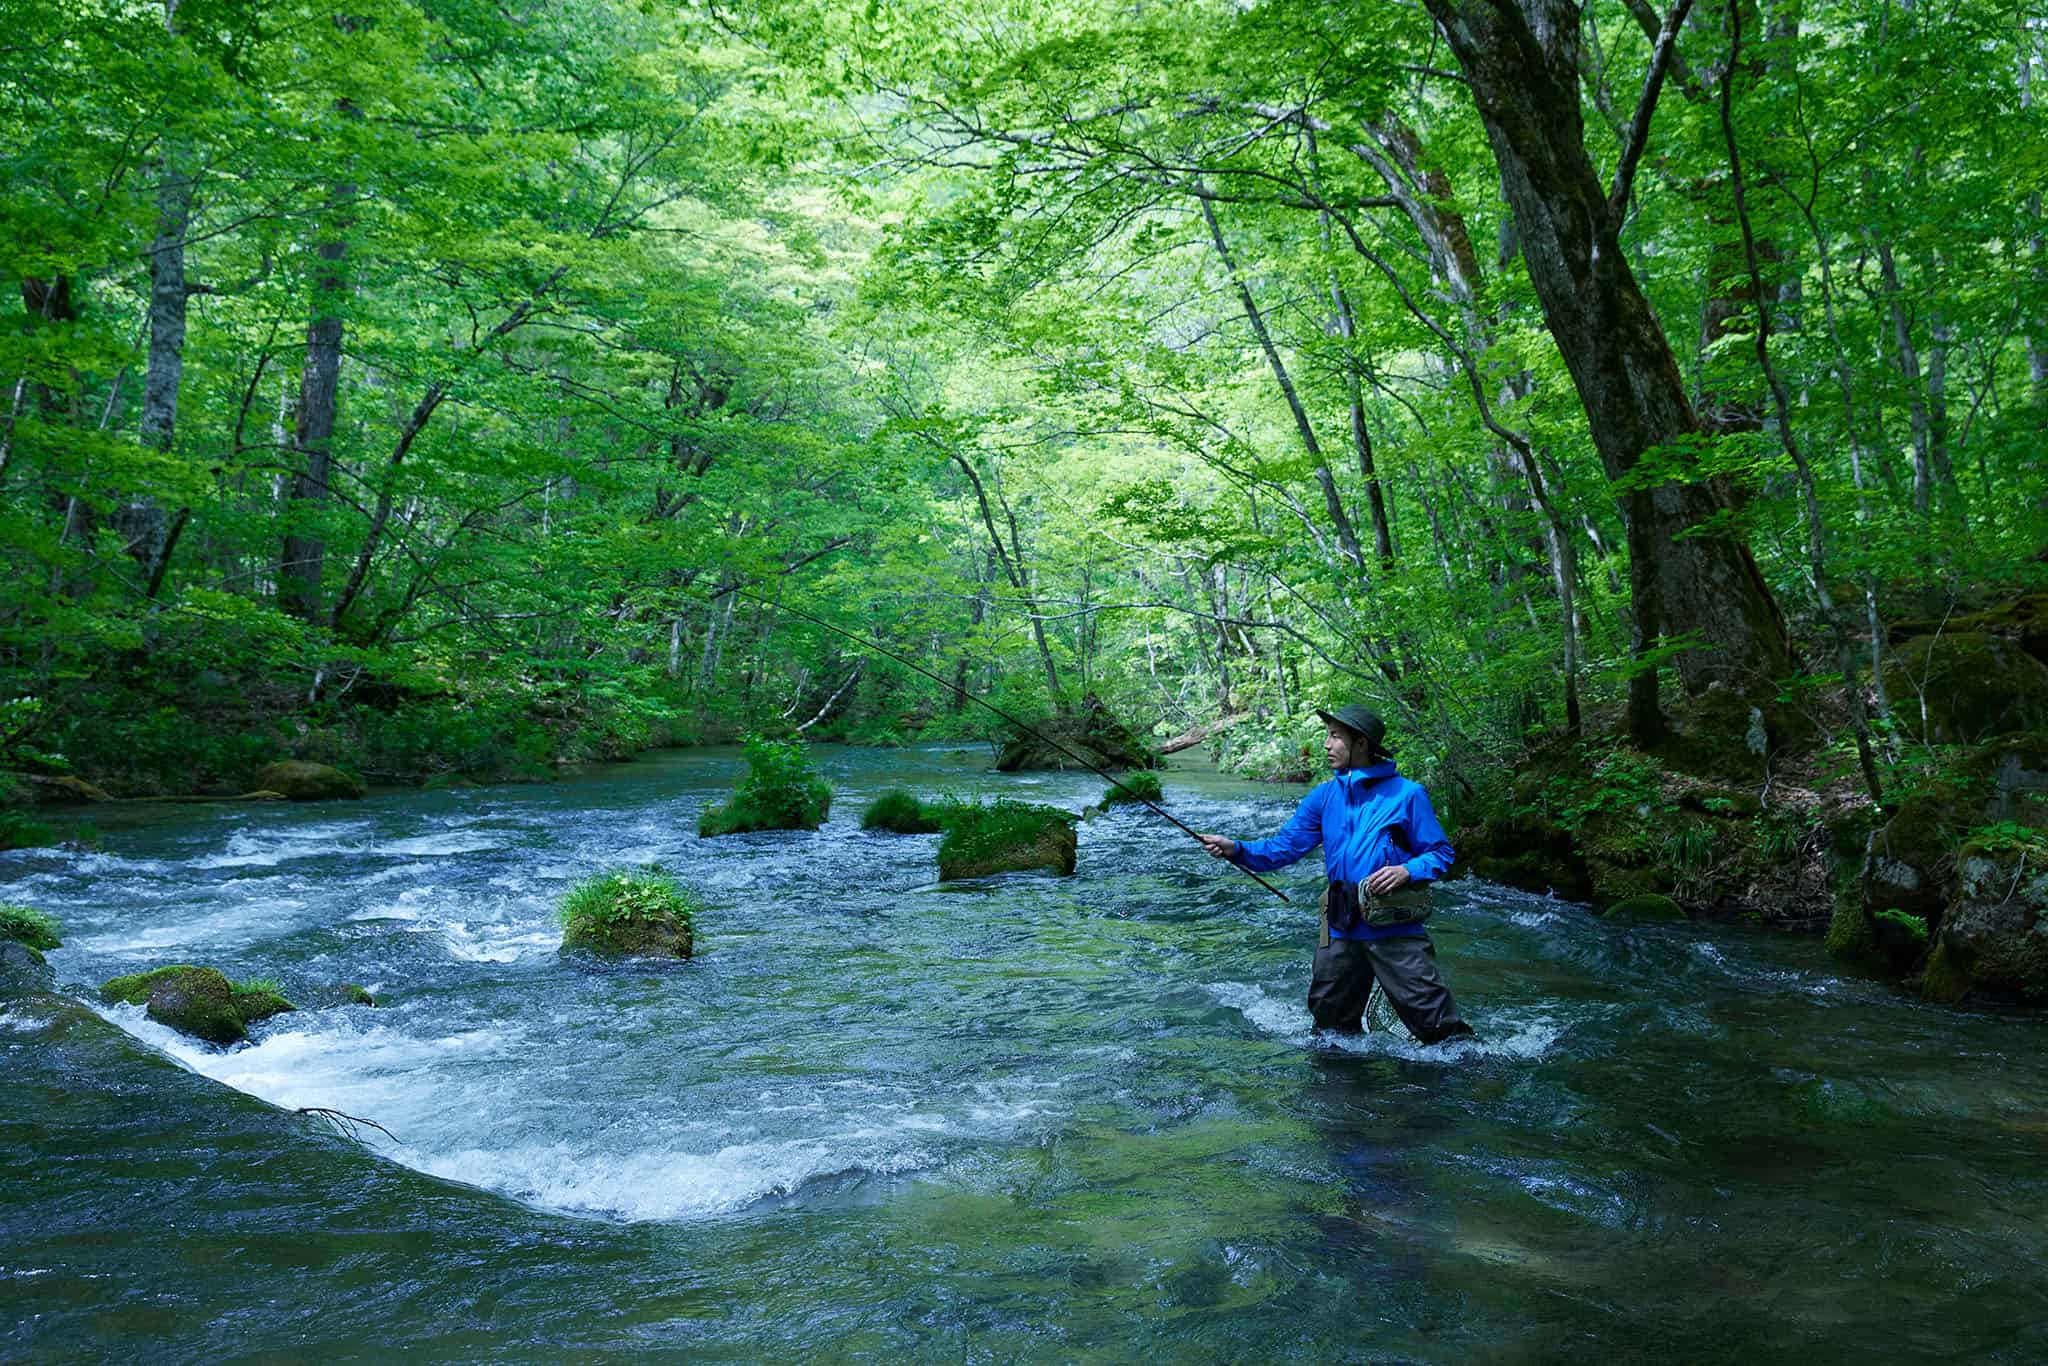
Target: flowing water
[{"x": 1073, "y": 1119}]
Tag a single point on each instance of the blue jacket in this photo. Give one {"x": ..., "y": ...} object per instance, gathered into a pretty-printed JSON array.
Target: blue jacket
[{"x": 1365, "y": 818}]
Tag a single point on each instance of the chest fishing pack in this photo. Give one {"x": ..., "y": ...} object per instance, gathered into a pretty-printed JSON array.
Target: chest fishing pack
[{"x": 1347, "y": 905}]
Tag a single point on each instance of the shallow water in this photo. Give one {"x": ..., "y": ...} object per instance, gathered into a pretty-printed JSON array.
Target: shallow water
[{"x": 1058, "y": 1119}]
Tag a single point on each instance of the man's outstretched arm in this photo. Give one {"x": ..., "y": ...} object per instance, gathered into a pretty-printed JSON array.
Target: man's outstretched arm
[{"x": 1303, "y": 832}]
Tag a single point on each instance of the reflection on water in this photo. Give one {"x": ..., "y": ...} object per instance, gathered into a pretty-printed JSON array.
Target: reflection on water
[{"x": 1032, "y": 1117}]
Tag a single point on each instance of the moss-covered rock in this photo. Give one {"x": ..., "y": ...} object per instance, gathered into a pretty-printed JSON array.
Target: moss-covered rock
[
  {"x": 1908, "y": 860},
  {"x": 1007, "y": 837},
  {"x": 2022, "y": 620},
  {"x": 23, "y": 971},
  {"x": 2008, "y": 778},
  {"x": 1851, "y": 938},
  {"x": 1647, "y": 906},
  {"x": 629, "y": 914},
  {"x": 901, "y": 813},
  {"x": 1959, "y": 688},
  {"x": 1942, "y": 981},
  {"x": 191, "y": 1000},
  {"x": 353, "y": 995},
  {"x": 309, "y": 782},
  {"x": 1092, "y": 732},
  {"x": 1995, "y": 935}
]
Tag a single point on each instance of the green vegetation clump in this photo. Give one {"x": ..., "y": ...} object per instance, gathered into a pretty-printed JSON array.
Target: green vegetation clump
[
  {"x": 1007, "y": 837},
  {"x": 900, "y": 812},
  {"x": 259, "y": 998},
  {"x": 629, "y": 914},
  {"x": 29, "y": 926},
  {"x": 782, "y": 791},
  {"x": 1135, "y": 786},
  {"x": 17, "y": 831}
]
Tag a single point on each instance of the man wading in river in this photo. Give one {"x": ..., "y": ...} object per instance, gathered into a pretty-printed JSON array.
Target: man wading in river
[{"x": 1382, "y": 847}]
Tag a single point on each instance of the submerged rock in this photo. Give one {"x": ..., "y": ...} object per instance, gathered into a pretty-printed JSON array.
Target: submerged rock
[
  {"x": 1093, "y": 733},
  {"x": 23, "y": 971},
  {"x": 195, "y": 1001},
  {"x": 1649, "y": 906},
  {"x": 1008, "y": 837},
  {"x": 309, "y": 782}
]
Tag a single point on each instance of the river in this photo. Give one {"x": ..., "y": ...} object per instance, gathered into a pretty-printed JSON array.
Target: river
[{"x": 1054, "y": 1119}]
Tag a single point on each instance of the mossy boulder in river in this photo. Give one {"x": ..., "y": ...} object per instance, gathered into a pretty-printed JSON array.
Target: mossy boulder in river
[
  {"x": 201, "y": 1002},
  {"x": 1994, "y": 937},
  {"x": 1092, "y": 733},
  {"x": 1007, "y": 837},
  {"x": 781, "y": 791},
  {"x": 1951, "y": 885},
  {"x": 629, "y": 914},
  {"x": 309, "y": 782}
]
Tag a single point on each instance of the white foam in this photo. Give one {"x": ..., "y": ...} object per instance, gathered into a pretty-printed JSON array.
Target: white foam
[
  {"x": 449, "y": 1116},
  {"x": 1508, "y": 1034},
  {"x": 438, "y": 846},
  {"x": 499, "y": 943},
  {"x": 664, "y": 1184},
  {"x": 268, "y": 848}
]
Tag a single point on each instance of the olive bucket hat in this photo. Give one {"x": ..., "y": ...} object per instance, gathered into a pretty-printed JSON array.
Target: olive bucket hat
[{"x": 1361, "y": 721}]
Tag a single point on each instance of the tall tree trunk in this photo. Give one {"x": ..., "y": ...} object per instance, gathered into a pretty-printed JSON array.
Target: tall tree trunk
[
  {"x": 1522, "y": 67},
  {"x": 1347, "y": 536},
  {"x": 142, "y": 520},
  {"x": 2037, "y": 249},
  {"x": 319, "y": 399}
]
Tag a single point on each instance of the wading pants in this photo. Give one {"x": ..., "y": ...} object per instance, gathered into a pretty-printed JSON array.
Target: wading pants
[{"x": 1405, "y": 967}]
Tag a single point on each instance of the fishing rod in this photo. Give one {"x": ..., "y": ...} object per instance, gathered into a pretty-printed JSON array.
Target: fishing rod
[{"x": 950, "y": 686}]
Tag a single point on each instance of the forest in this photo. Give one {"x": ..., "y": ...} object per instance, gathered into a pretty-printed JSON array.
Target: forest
[
  {"x": 561, "y": 559},
  {"x": 450, "y": 391}
]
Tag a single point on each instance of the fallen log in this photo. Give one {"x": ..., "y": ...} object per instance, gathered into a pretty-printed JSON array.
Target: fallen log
[{"x": 1190, "y": 738}]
